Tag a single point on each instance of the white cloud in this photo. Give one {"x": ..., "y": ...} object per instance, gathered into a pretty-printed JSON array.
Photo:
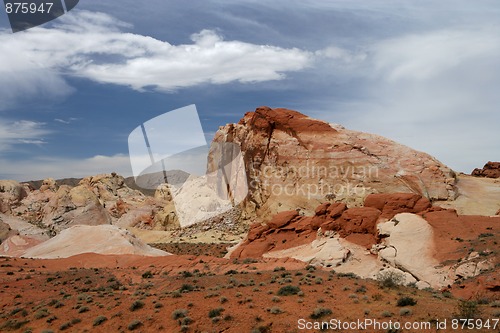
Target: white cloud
[
  {"x": 435, "y": 91},
  {"x": 425, "y": 56},
  {"x": 93, "y": 46},
  {"x": 13, "y": 133},
  {"x": 44, "y": 167}
]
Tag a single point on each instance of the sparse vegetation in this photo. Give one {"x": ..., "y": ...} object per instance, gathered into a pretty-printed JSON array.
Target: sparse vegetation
[
  {"x": 136, "y": 305},
  {"x": 135, "y": 324},
  {"x": 288, "y": 290},
  {"x": 215, "y": 312},
  {"x": 405, "y": 301},
  {"x": 390, "y": 279},
  {"x": 467, "y": 309},
  {"x": 179, "y": 313},
  {"x": 320, "y": 313},
  {"x": 99, "y": 320}
]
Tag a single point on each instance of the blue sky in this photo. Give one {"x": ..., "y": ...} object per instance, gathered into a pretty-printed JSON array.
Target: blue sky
[{"x": 423, "y": 73}]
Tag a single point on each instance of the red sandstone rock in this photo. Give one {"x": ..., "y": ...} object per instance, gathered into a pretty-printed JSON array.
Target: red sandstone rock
[
  {"x": 490, "y": 170},
  {"x": 362, "y": 220},
  {"x": 256, "y": 231},
  {"x": 391, "y": 204},
  {"x": 336, "y": 209},
  {"x": 294, "y": 161},
  {"x": 282, "y": 219}
]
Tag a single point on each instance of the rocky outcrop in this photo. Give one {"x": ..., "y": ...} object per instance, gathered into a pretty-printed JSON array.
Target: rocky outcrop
[
  {"x": 391, "y": 204},
  {"x": 490, "y": 170},
  {"x": 293, "y": 161},
  {"x": 11, "y": 193},
  {"x": 408, "y": 244},
  {"x": 17, "y": 245},
  {"x": 96, "y": 200},
  {"x": 5, "y": 231},
  {"x": 102, "y": 239},
  {"x": 398, "y": 232}
]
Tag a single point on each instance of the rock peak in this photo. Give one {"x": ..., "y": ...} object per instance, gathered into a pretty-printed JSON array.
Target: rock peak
[{"x": 289, "y": 121}]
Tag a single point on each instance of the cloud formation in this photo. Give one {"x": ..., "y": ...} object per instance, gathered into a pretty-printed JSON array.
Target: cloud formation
[
  {"x": 13, "y": 133},
  {"x": 94, "y": 46},
  {"x": 43, "y": 167}
]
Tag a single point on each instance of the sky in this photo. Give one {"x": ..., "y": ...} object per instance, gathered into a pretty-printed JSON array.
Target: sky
[{"x": 423, "y": 73}]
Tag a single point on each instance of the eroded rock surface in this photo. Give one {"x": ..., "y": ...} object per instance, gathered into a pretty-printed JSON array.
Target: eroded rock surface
[{"x": 293, "y": 161}]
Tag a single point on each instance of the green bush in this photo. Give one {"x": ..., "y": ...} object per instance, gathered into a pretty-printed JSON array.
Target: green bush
[
  {"x": 99, "y": 320},
  {"x": 320, "y": 313},
  {"x": 467, "y": 310},
  {"x": 390, "y": 279},
  {"x": 288, "y": 290},
  {"x": 136, "y": 305},
  {"x": 179, "y": 313},
  {"x": 147, "y": 275},
  {"x": 405, "y": 301},
  {"x": 134, "y": 325},
  {"x": 215, "y": 312}
]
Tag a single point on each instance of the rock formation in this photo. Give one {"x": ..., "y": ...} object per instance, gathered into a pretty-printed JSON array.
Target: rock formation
[
  {"x": 11, "y": 193},
  {"x": 490, "y": 170},
  {"x": 293, "y": 161},
  {"x": 102, "y": 239},
  {"x": 399, "y": 230}
]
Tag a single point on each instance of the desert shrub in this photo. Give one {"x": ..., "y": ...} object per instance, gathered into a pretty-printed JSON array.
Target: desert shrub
[
  {"x": 65, "y": 326},
  {"x": 405, "y": 312},
  {"x": 186, "y": 288},
  {"x": 288, "y": 290},
  {"x": 186, "y": 321},
  {"x": 390, "y": 279},
  {"x": 186, "y": 274},
  {"x": 42, "y": 313},
  {"x": 320, "y": 313},
  {"x": 158, "y": 305},
  {"x": 12, "y": 325},
  {"x": 179, "y": 313},
  {"x": 231, "y": 272},
  {"x": 99, "y": 320},
  {"x": 75, "y": 321},
  {"x": 275, "y": 310},
  {"x": 405, "y": 301},
  {"x": 136, "y": 305},
  {"x": 147, "y": 275},
  {"x": 215, "y": 312},
  {"x": 134, "y": 325},
  {"x": 83, "y": 309},
  {"x": 278, "y": 269},
  {"x": 467, "y": 310},
  {"x": 386, "y": 314}
]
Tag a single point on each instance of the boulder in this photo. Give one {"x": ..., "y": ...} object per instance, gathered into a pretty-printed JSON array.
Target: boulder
[
  {"x": 391, "y": 204},
  {"x": 5, "y": 231},
  {"x": 362, "y": 220},
  {"x": 11, "y": 193},
  {"x": 282, "y": 219},
  {"x": 490, "y": 170}
]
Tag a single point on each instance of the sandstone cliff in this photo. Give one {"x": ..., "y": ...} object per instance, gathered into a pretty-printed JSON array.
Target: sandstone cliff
[{"x": 293, "y": 161}]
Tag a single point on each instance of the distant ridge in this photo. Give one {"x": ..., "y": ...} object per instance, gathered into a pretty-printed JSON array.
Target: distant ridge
[{"x": 149, "y": 181}]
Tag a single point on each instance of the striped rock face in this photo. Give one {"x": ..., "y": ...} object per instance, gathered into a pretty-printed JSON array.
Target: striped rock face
[{"x": 293, "y": 161}]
